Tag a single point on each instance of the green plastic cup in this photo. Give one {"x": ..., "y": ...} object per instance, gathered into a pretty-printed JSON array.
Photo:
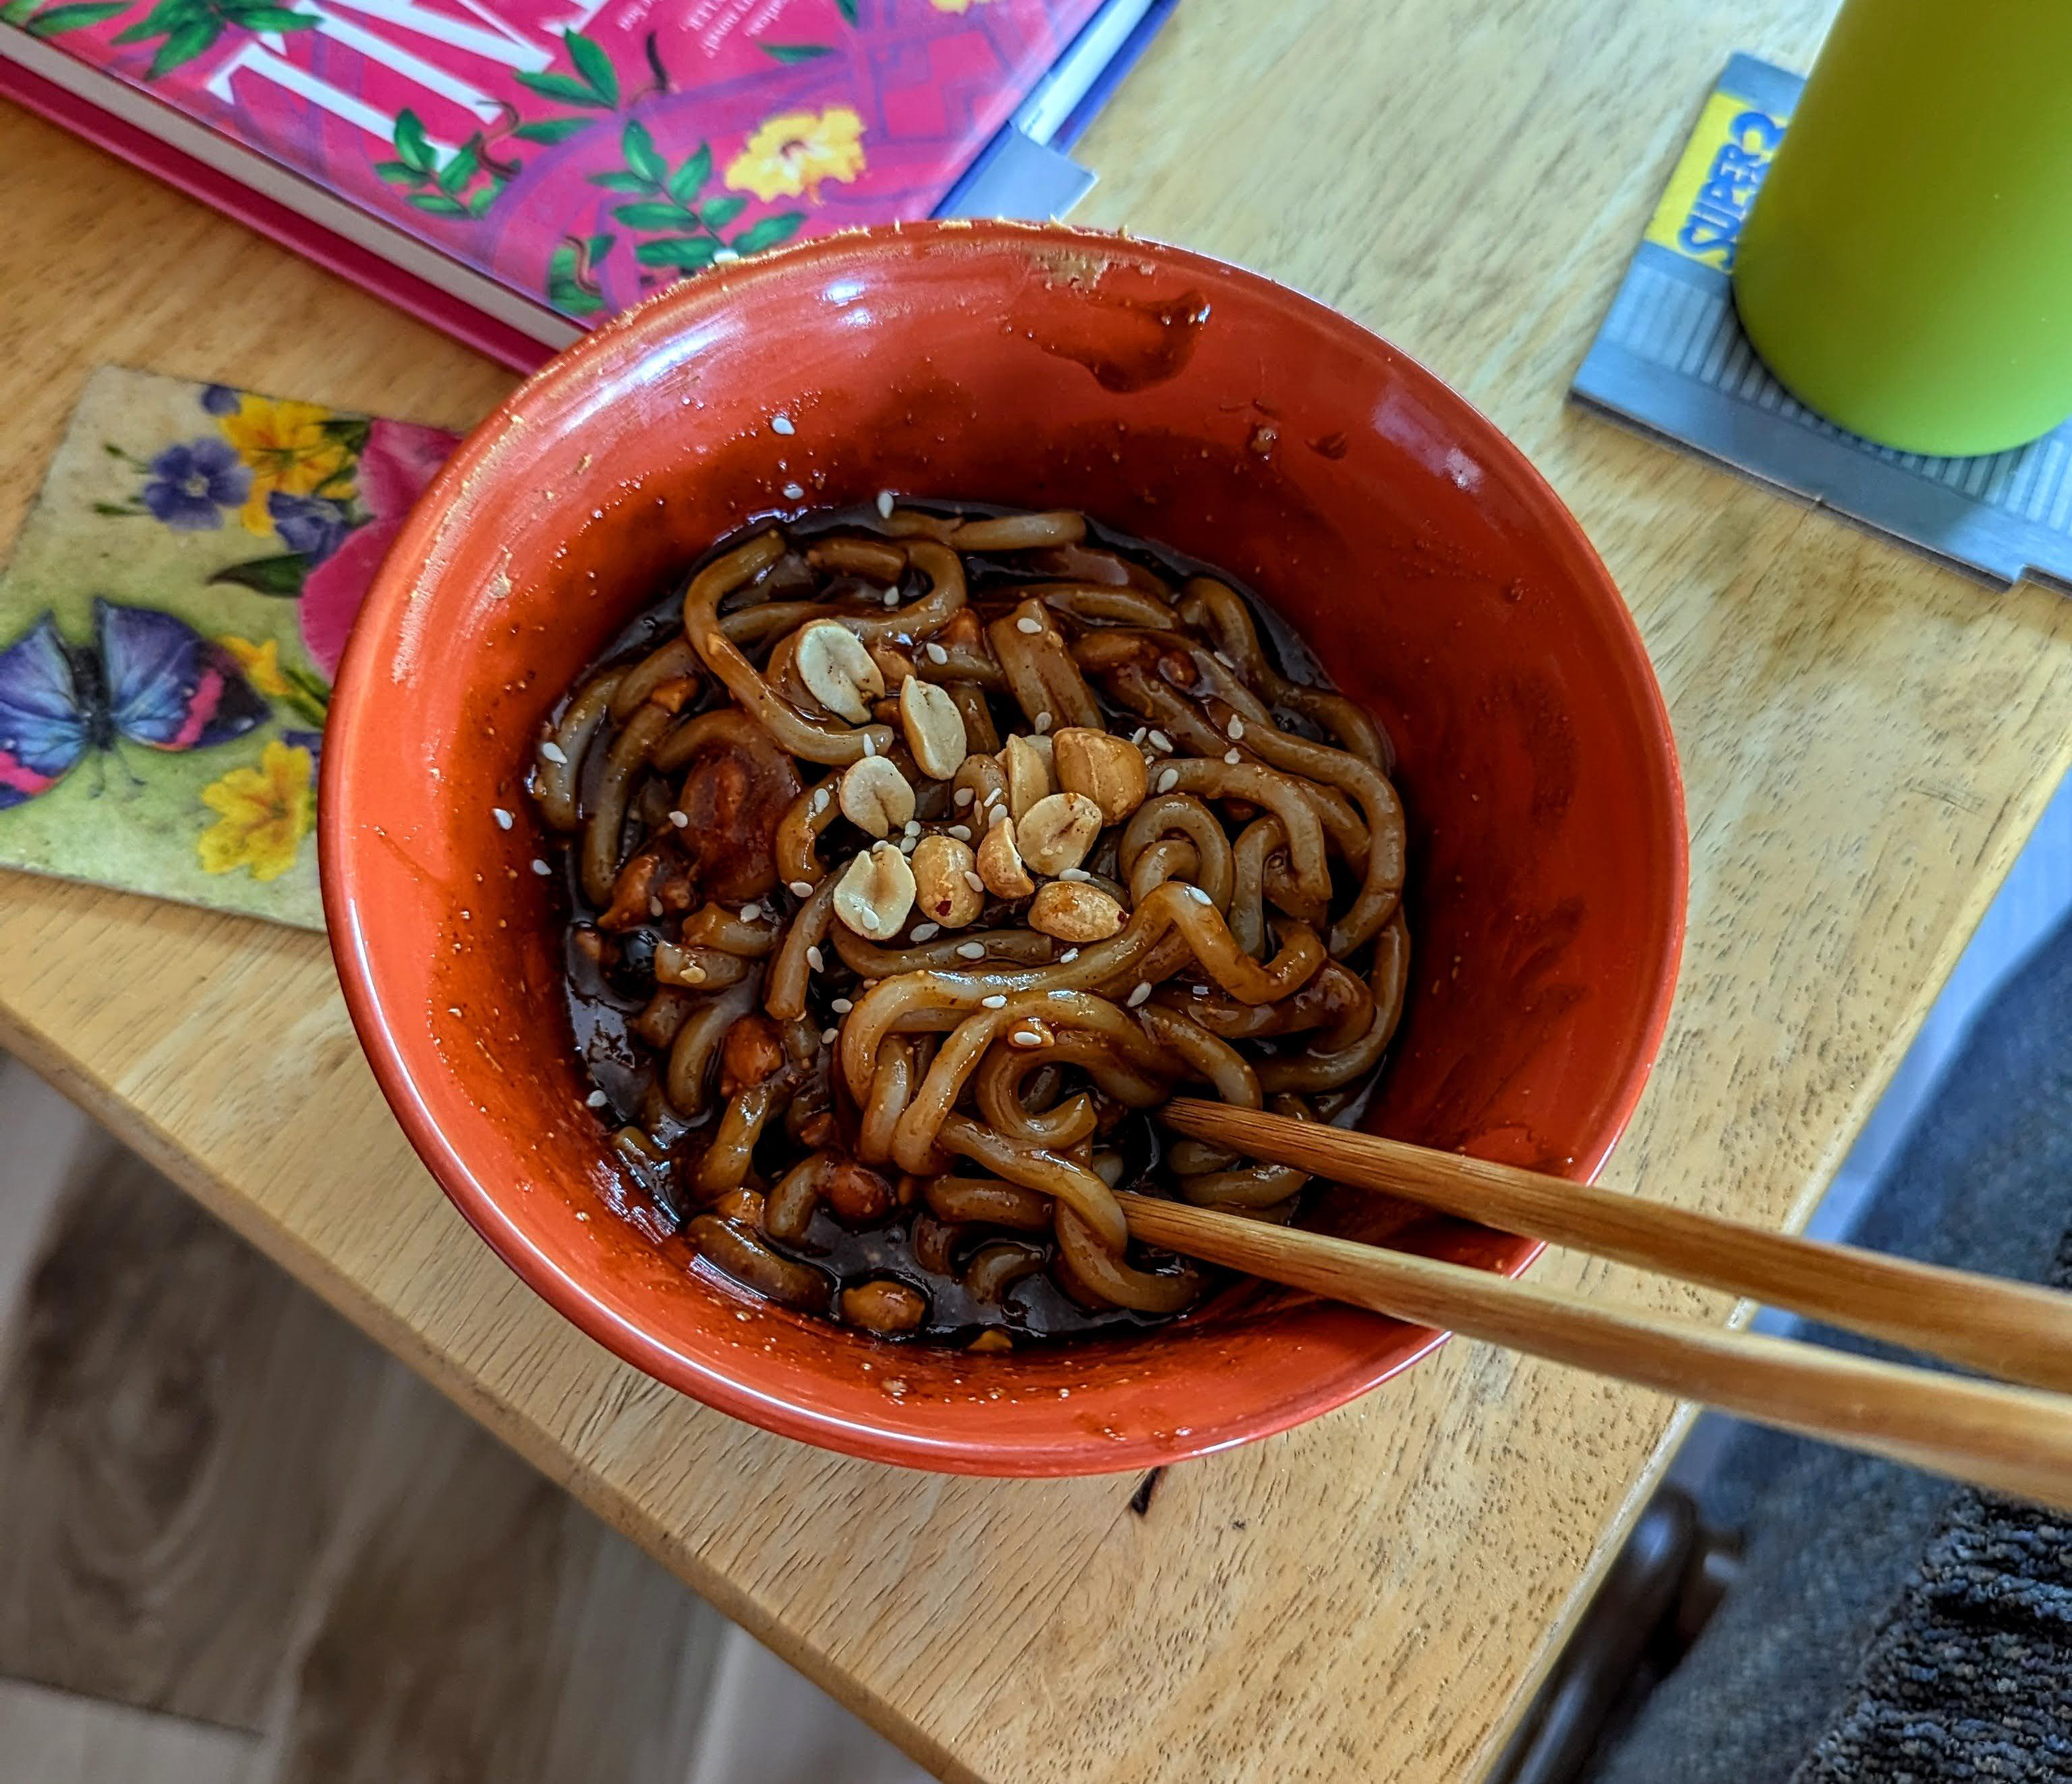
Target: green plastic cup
[{"x": 1906, "y": 270}]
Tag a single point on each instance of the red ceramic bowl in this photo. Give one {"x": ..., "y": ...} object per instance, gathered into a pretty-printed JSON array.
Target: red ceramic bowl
[{"x": 1178, "y": 398}]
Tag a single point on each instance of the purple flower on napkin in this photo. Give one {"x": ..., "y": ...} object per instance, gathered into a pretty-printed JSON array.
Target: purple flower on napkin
[
  {"x": 220, "y": 399},
  {"x": 314, "y": 525},
  {"x": 191, "y": 485}
]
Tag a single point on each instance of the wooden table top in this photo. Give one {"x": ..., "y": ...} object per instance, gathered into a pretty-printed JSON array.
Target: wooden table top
[{"x": 1866, "y": 739}]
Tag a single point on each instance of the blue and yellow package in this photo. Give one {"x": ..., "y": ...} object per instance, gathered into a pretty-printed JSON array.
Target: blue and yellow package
[{"x": 1671, "y": 357}]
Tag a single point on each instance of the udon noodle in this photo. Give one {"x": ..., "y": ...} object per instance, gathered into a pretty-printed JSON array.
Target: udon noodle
[{"x": 914, "y": 860}]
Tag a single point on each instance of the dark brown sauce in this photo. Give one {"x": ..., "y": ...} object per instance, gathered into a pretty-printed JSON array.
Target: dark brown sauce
[{"x": 605, "y": 995}]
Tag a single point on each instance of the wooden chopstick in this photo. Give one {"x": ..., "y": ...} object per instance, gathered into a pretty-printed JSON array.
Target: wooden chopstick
[
  {"x": 2011, "y": 1439},
  {"x": 2011, "y": 1330}
]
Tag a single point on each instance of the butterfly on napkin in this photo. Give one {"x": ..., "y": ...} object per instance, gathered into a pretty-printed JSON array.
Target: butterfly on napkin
[{"x": 145, "y": 678}]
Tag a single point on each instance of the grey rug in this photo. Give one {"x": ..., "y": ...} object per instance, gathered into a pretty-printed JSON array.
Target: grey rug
[{"x": 1889, "y": 1628}]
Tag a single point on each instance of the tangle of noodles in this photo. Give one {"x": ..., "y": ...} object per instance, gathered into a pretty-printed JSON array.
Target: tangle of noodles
[{"x": 914, "y": 860}]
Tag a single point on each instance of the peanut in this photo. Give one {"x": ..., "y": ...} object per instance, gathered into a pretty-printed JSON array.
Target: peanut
[
  {"x": 875, "y": 795},
  {"x": 1027, "y": 761},
  {"x": 838, "y": 670},
  {"x": 1057, "y": 832},
  {"x": 1074, "y": 912},
  {"x": 934, "y": 728},
  {"x": 1106, "y": 769},
  {"x": 943, "y": 892},
  {"x": 855, "y": 1193},
  {"x": 876, "y": 893},
  {"x": 884, "y": 1306},
  {"x": 752, "y": 1050},
  {"x": 999, "y": 863}
]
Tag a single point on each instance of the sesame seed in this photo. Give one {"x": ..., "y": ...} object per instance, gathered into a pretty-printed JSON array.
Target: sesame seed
[
  {"x": 681, "y": 819},
  {"x": 829, "y": 1036},
  {"x": 1025, "y": 1037},
  {"x": 552, "y": 752},
  {"x": 751, "y": 912},
  {"x": 841, "y": 1006},
  {"x": 502, "y": 816},
  {"x": 1160, "y": 741},
  {"x": 781, "y": 424},
  {"x": 961, "y": 832},
  {"x": 816, "y": 959},
  {"x": 793, "y": 491},
  {"x": 1169, "y": 780},
  {"x": 1235, "y": 728},
  {"x": 596, "y": 1098},
  {"x": 1142, "y": 992},
  {"x": 1073, "y": 874},
  {"x": 1198, "y": 991},
  {"x": 997, "y": 814},
  {"x": 1232, "y": 758},
  {"x": 972, "y": 951},
  {"x": 1026, "y": 624},
  {"x": 1226, "y": 662},
  {"x": 1198, "y": 895},
  {"x": 908, "y": 844},
  {"x": 540, "y": 867},
  {"x": 869, "y": 744},
  {"x": 998, "y": 1001},
  {"x": 1042, "y": 723},
  {"x": 884, "y": 503},
  {"x": 820, "y": 798},
  {"x": 910, "y": 827},
  {"x": 723, "y": 256},
  {"x": 926, "y": 932},
  {"x": 936, "y": 653},
  {"x": 1068, "y": 957},
  {"x": 453, "y": 1009},
  {"x": 975, "y": 884},
  {"x": 993, "y": 797},
  {"x": 890, "y": 597},
  {"x": 962, "y": 797},
  {"x": 802, "y": 888},
  {"x": 582, "y": 1217},
  {"x": 654, "y": 907}
]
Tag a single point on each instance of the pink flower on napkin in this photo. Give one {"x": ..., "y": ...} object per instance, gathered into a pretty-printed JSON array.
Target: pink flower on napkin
[{"x": 397, "y": 461}]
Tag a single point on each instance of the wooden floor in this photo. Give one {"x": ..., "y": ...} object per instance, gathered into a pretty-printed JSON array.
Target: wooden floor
[{"x": 239, "y": 1542}]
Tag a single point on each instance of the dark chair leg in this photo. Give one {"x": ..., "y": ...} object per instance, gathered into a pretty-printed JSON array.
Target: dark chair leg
[{"x": 1661, "y": 1590}]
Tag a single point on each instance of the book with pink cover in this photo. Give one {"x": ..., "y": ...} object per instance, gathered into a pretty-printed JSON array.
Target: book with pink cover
[{"x": 573, "y": 156}]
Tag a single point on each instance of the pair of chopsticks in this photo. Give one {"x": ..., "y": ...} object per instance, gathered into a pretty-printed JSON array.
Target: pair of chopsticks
[{"x": 2011, "y": 1439}]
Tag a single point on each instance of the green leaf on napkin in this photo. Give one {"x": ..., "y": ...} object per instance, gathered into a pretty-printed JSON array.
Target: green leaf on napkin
[{"x": 281, "y": 575}]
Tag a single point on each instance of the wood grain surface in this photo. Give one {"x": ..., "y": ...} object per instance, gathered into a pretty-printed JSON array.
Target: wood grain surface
[
  {"x": 1867, "y": 738},
  {"x": 235, "y": 1536},
  {"x": 177, "y": 1422}
]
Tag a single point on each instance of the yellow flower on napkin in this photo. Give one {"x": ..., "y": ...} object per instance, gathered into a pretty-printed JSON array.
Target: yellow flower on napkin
[
  {"x": 261, "y": 663},
  {"x": 794, "y": 151},
  {"x": 287, "y": 446},
  {"x": 264, "y": 813}
]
